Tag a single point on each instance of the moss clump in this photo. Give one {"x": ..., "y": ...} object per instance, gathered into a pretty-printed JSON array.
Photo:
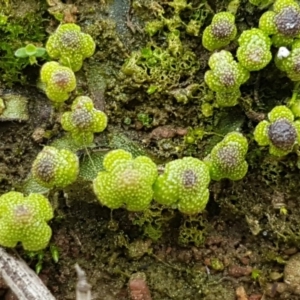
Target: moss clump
[
  {"x": 177, "y": 19},
  {"x": 24, "y": 219},
  {"x": 70, "y": 46},
  {"x": 126, "y": 181},
  {"x": 227, "y": 158},
  {"x": 184, "y": 184},
  {"x": 193, "y": 230},
  {"x": 55, "y": 168},
  {"x": 157, "y": 69},
  {"x": 153, "y": 221},
  {"x": 19, "y": 24},
  {"x": 281, "y": 133},
  {"x": 59, "y": 81},
  {"x": 83, "y": 120}
]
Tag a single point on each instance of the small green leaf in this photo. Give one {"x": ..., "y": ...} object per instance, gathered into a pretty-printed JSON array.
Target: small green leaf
[
  {"x": 21, "y": 52},
  {"x": 54, "y": 253},
  {"x": 40, "y": 255},
  {"x": 30, "y": 50},
  {"x": 31, "y": 254},
  {"x": 38, "y": 267},
  {"x": 40, "y": 52}
]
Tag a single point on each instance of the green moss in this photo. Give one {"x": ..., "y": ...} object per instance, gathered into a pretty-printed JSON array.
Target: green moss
[
  {"x": 216, "y": 264},
  {"x": 153, "y": 221},
  {"x": 193, "y": 231},
  {"x": 30, "y": 185},
  {"x": 161, "y": 68},
  {"x": 184, "y": 95},
  {"x": 145, "y": 119},
  {"x": 19, "y": 24},
  {"x": 193, "y": 135}
]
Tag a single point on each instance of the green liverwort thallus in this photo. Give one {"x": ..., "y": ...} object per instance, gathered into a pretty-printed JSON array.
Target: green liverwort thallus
[
  {"x": 59, "y": 81},
  {"x": 24, "y": 219},
  {"x": 281, "y": 132},
  {"x": 70, "y": 46},
  {"x": 125, "y": 181},
  {"x": 54, "y": 168},
  {"x": 83, "y": 120},
  {"x": 184, "y": 184},
  {"x": 227, "y": 158}
]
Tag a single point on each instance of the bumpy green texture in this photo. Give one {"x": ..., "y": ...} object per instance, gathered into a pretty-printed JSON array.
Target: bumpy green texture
[
  {"x": 227, "y": 158},
  {"x": 280, "y": 133},
  {"x": 154, "y": 26},
  {"x": 221, "y": 31},
  {"x": 184, "y": 184},
  {"x": 283, "y": 23},
  {"x": 225, "y": 77},
  {"x": 24, "y": 219},
  {"x": 55, "y": 168},
  {"x": 70, "y": 46},
  {"x": 59, "y": 81},
  {"x": 126, "y": 181},
  {"x": 291, "y": 63},
  {"x": 254, "y": 50},
  {"x": 83, "y": 120},
  {"x": 158, "y": 70}
]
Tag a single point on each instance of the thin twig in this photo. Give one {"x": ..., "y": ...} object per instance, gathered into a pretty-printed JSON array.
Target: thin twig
[{"x": 25, "y": 284}]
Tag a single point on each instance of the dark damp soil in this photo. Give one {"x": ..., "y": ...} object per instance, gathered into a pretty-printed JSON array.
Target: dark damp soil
[{"x": 236, "y": 249}]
